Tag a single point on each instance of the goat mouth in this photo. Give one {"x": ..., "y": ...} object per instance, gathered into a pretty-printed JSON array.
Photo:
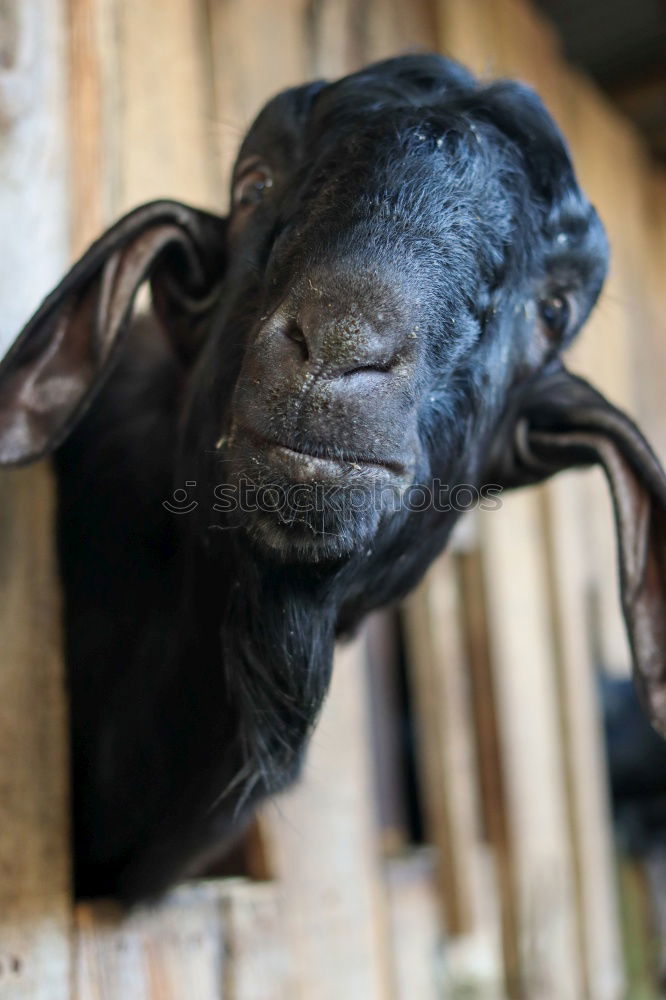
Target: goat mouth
[{"x": 307, "y": 466}]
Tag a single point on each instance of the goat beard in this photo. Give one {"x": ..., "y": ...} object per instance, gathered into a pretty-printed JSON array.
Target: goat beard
[{"x": 277, "y": 642}]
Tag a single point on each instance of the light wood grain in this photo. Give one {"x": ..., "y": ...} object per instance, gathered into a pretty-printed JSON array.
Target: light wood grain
[
  {"x": 34, "y": 850},
  {"x": 440, "y": 677},
  {"x": 34, "y": 861},
  {"x": 324, "y": 845},
  {"x": 206, "y": 941},
  {"x": 33, "y": 151},
  {"x": 176, "y": 950},
  {"x": 418, "y": 952}
]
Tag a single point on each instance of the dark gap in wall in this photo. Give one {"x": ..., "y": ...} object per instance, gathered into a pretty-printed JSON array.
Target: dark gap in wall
[
  {"x": 248, "y": 858},
  {"x": 392, "y": 732}
]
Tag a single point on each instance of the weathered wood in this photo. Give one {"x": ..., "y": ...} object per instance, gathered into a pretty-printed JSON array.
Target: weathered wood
[
  {"x": 32, "y": 151},
  {"x": 450, "y": 774},
  {"x": 651, "y": 342},
  {"x": 34, "y": 862},
  {"x": 246, "y": 73},
  {"x": 257, "y": 954},
  {"x": 174, "y": 951},
  {"x": 530, "y": 52},
  {"x": 604, "y": 352},
  {"x": 33, "y": 178},
  {"x": 416, "y": 926},
  {"x": 85, "y": 123},
  {"x": 324, "y": 844},
  {"x": 491, "y": 777},
  {"x": 34, "y": 853},
  {"x": 582, "y": 741},
  {"x": 206, "y": 941},
  {"x": 163, "y": 131},
  {"x": 530, "y": 739}
]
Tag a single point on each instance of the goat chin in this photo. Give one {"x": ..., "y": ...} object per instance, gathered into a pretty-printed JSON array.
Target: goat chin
[{"x": 317, "y": 535}]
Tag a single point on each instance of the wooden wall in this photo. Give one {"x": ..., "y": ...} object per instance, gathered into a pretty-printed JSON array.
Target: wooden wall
[{"x": 103, "y": 104}]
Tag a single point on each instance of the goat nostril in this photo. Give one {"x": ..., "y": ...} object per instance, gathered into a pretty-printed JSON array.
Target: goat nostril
[{"x": 294, "y": 332}]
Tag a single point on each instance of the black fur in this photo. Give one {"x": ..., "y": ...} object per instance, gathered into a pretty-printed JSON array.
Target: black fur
[{"x": 379, "y": 305}]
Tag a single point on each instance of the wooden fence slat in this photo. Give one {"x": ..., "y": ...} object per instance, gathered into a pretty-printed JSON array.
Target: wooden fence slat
[
  {"x": 34, "y": 862},
  {"x": 257, "y": 953},
  {"x": 33, "y": 178},
  {"x": 246, "y": 74},
  {"x": 165, "y": 104},
  {"x": 491, "y": 777},
  {"x": 530, "y": 737},
  {"x": 324, "y": 848},
  {"x": 439, "y": 674},
  {"x": 416, "y": 927},
  {"x": 85, "y": 123},
  {"x": 34, "y": 854},
  {"x": 530, "y": 51},
  {"x": 173, "y": 951},
  {"x": 217, "y": 940},
  {"x": 653, "y": 339},
  {"x": 582, "y": 742},
  {"x": 392, "y": 27}
]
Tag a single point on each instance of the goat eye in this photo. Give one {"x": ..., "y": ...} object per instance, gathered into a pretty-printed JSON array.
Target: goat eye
[
  {"x": 555, "y": 312},
  {"x": 251, "y": 186}
]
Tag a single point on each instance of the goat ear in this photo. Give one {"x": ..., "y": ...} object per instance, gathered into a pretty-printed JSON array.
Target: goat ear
[
  {"x": 558, "y": 421},
  {"x": 60, "y": 359}
]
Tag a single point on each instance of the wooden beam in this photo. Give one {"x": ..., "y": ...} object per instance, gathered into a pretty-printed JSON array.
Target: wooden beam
[
  {"x": 324, "y": 848},
  {"x": 218, "y": 940},
  {"x": 34, "y": 851},
  {"x": 34, "y": 843}
]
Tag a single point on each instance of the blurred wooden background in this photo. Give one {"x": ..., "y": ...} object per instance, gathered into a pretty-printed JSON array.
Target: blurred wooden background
[{"x": 497, "y": 877}]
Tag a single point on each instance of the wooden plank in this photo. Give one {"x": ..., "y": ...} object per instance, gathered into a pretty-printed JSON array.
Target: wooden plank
[
  {"x": 217, "y": 940},
  {"x": 652, "y": 341},
  {"x": 157, "y": 104},
  {"x": 324, "y": 844},
  {"x": 416, "y": 930},
  {"x": 246, "y": 75},
  {"x": 34, "y": 861},
  {"x": 174, "y": 951},
  {"x": 639, "y": 952},
  {"x": 466, "y": 32},
  {"x": 582, "y": 741},
  {"x": 34, "y": 864},
  {"x": 530, "y": 52},
  {"x": 525, "y": 48},
  {"x": 392, "y": 27},
  {"x": 258, "y": 960},
  {"x": 439, "y": 672},
  {"x": 33, "y": 123},
  {"x": 604, "y": 352},
  {"x": 491, "y": 777},
  {"x": 85, "y": 123},
  {"x": 529, "y": 731},
  {"x": 142, "y": 117},
  {"x": 524, "y": 669}
]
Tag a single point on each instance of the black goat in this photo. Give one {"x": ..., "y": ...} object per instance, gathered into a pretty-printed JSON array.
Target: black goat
[{"x": 406, "y": 256}]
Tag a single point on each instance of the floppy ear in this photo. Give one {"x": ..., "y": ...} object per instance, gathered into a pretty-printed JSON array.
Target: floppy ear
[
  {"x": 60, "y": 359},
  {"x": 558, "y": 421}
]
